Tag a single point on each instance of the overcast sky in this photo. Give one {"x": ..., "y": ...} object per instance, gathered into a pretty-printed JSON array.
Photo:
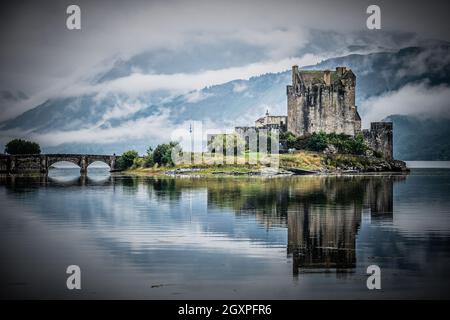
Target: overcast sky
[
  {"x": 36, "y": 46},
  {"x": 215, "y": 41}
]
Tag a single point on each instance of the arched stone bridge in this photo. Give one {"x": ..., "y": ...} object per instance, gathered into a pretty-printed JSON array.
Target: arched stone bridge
[{"x": 42, "y": 162}]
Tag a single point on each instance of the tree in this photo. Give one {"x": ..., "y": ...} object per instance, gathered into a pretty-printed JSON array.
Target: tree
[
  {"x": 19, "y": 146},
  {"x": 148, "y": 159},
  {"x": 162, "y": 154},
  {"x": 126, "y": 160}
]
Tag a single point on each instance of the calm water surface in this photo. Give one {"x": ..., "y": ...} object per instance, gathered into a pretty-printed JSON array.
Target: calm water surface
[{"x": 255, "y": 238}]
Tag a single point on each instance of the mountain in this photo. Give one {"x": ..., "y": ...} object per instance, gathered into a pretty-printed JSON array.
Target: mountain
[
  {"x": 420, "y": 138},
  {"x": 237, "y": 102},
  {"x": 378, "y": 73}
]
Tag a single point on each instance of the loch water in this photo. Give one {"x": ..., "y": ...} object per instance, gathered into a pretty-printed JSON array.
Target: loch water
[{"x": 298, "y": 237}]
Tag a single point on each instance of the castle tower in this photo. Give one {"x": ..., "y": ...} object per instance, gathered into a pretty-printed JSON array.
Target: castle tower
[{"x": 322, "y": 101}]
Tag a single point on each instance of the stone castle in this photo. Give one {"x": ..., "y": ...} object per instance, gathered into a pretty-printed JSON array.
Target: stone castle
[{"x": 324, "y": 101}]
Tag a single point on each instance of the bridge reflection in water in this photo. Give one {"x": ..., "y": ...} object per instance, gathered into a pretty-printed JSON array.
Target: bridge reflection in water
[{"x": 29, "y": 182}]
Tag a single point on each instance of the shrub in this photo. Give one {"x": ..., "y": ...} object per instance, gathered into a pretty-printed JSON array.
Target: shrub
[
  {"x": 138, "y": 162},
  {"x": 357, "y": 145},
  {"x": 290, "y": 138},
  {"x": 19, "y": 146},
  {"x": 319, "y": 142}
]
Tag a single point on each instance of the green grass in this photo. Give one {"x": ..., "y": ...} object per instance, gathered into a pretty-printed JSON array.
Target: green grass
[{"x": 306, "y": 160}]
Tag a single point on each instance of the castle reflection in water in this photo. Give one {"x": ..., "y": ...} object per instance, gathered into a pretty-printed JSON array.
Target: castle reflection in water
[
  {"x": 322, "y": 214},
  {"x": 324, "y": 237}
]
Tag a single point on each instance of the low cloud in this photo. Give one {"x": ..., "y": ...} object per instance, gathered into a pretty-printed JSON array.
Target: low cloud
[
  {"x": 413, "y": 99},
  {"x": 196, "y": 96},
  {"x": 123, "y": 109},
  {"x": 178, "y": 83},
  {"x": 239, "y": 87},
  {"x": 155, "y": 129},
  {"x": 138, "y": 83}
]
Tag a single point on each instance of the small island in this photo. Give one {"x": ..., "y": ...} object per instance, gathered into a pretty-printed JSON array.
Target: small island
[
  {"x": 321, "y": 134},
  {"x": 299, "y": 162}
]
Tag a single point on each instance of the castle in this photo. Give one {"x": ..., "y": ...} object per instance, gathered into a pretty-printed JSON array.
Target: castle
[{"x": 324, "y": 101}]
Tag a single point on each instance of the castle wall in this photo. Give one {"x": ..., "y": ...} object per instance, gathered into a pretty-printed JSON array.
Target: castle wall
[
  {"x": 358, "y": 126},
  {"x": 294, "y": 113},
  {"x": 262, "y": 122},
  {"x": 4, "y": 163},
  {"x": 379, "y": 138}
]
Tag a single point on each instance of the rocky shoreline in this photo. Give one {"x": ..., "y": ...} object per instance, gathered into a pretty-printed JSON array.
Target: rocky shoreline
[{"x": 375, "y": 165}]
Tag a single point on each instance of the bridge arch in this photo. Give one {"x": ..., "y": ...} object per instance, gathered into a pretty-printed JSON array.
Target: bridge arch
[
  {"x": 99, "y": 162},
  {"x": 52, "y": 160},
  {"x": 104, "y": 159}
]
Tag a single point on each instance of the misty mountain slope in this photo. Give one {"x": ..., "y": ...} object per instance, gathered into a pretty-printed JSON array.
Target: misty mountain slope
[
  {"x": 232, "y": 53},
  {"x": 77, "y": 112},
  {"x": 237, "y": 102},
  {"x": 205, "y": 56},
  {"x": 74, "y": 113},
  {"x": 376, "y": 73},
  {"x": 241, "y": 101},
  {"x": 421, "y": 138}
]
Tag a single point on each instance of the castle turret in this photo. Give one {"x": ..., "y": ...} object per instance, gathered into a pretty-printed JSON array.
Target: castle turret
[
  {"x": 294, "y": 75},
  {"x": 327, "y": 77}
]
